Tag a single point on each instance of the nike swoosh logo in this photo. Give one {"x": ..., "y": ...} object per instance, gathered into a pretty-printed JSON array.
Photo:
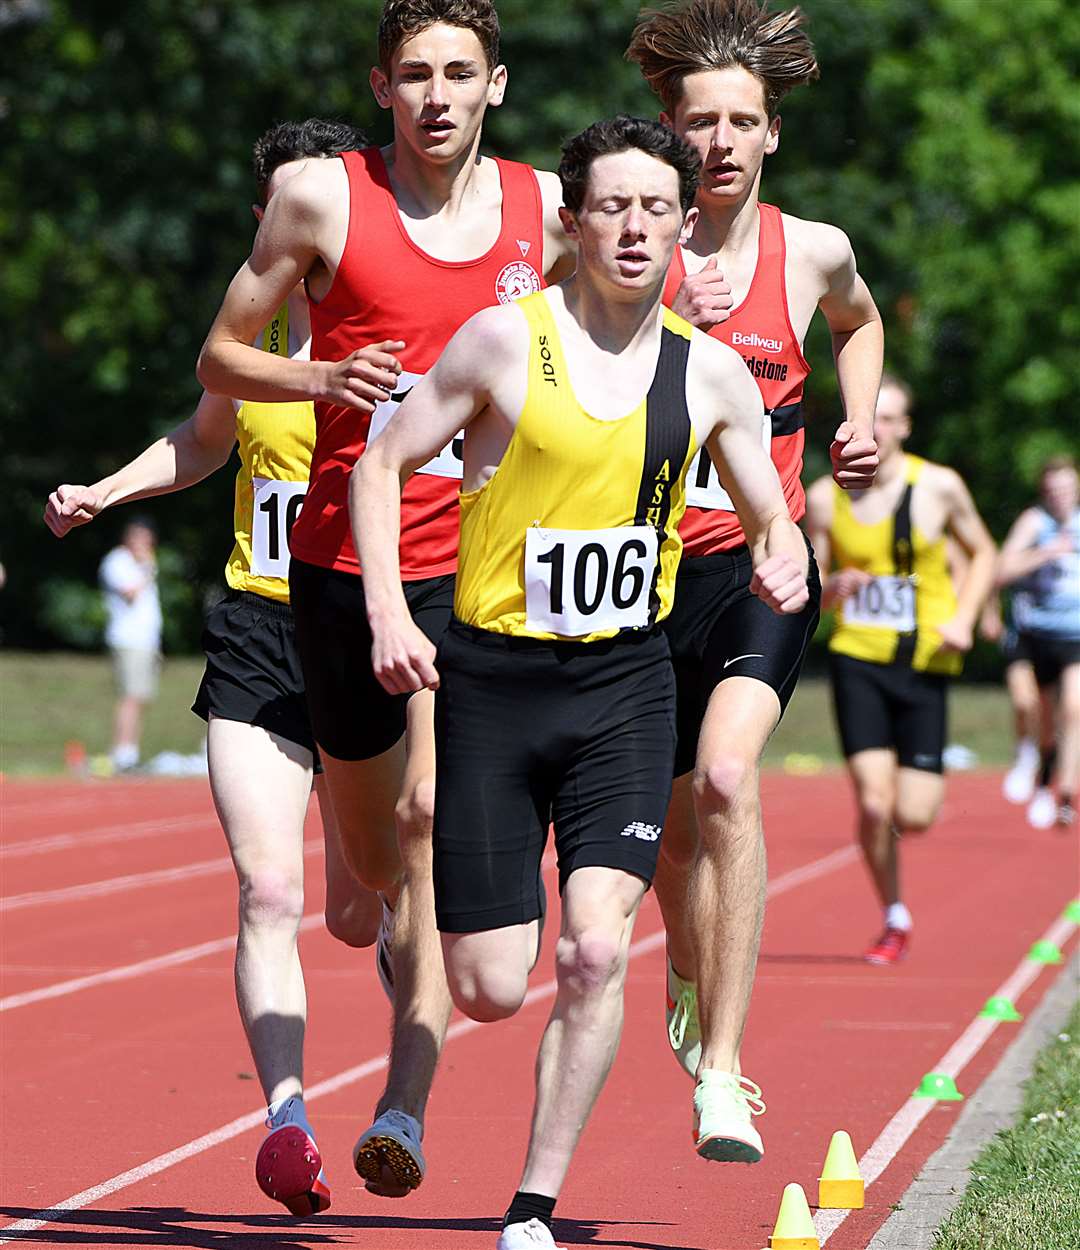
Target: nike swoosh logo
[
  {"x": 399, "y": 397},
  {"x": 753, "y": 655}
]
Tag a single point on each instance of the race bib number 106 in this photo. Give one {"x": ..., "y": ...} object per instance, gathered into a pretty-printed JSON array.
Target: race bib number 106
[
  {"x": 277, "y": 505},
  {"x": 883, "y": 603},
  {"x": 584, "y": 581}
]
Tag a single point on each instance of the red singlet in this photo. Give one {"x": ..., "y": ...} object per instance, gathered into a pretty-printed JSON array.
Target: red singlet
[
  {"x": 387, "y": 288},
  {"x": 760, "y": 331}
]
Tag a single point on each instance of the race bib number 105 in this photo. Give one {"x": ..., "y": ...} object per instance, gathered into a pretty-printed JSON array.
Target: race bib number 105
[
  {"x": 277, "y": 505},
  {"x": 883, "y": 603},
  {"x": 584, "y": 581}
]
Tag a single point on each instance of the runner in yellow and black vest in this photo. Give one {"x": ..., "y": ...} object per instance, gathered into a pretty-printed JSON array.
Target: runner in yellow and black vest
[
  {"x": 260, "y": 747},
  {"x": 900, "y": 631},
  {"x": 582, "y": 406}
]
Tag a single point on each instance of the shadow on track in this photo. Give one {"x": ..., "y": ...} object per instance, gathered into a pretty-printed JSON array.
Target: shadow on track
[{"x": 178, "y": 1227}]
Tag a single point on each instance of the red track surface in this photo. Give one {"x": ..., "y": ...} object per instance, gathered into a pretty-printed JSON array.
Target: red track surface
[{"x": 103, "y": 1079}]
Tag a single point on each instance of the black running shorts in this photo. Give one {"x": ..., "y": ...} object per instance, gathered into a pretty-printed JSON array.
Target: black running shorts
[
  {"x": 531, "y": 733},
  {"x": 718, "y": 629},
  {"x": 891, "y": 707},
  {"x": 253, "y": 670},
  {"x": 1049, "y": 656},
  {"x": 353, "y": 717}
]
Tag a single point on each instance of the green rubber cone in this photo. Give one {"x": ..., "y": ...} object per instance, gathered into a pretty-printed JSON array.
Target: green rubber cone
[
  {"x": 998, "y": 1008},
  {"x": 1072, "y": 911},
  {"x": 940, "y": 1086},
  {"x": 1044, "y": 952}
]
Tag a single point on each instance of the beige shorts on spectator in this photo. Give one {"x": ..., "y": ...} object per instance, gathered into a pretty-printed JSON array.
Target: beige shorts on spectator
[{"x": 136, "y": 671}]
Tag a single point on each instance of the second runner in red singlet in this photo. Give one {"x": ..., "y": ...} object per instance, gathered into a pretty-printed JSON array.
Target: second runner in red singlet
[
  {"x": 387, "y": 287},
  {"x": 715, "y": 629}
]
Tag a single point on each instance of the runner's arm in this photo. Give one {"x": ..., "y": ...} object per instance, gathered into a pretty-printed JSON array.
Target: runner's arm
[
  {"x": 776, "y": 543},
  {"x": 839, "y": 583},
  {"x": 858, "y": 340},
  {"x": 1019, "y": 555},
  {"x": 179, "y": 459},
  {"x": 284, "y": 252},
  {"x": 560, "y": 251},
  {"x": 444, "y": 401},
  {"x": 966, "y": 526}
]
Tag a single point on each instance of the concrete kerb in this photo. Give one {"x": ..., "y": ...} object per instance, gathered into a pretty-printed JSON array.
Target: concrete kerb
[{"x": 940, "y": 1184}]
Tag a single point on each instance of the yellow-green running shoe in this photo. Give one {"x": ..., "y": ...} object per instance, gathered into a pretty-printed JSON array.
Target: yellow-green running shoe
[
  {"x": 723, "y": 1106},
  {"x": 684, "y": 1032}
]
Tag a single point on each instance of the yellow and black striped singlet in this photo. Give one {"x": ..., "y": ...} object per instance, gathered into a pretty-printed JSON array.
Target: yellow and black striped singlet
[
  {"x": 576, "y": 533},
  {"x": 274, "y": 442},
  {"x": 893, "y": 620}
]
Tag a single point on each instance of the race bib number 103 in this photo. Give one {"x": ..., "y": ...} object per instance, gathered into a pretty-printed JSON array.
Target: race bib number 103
[
  {"x": 585, "y": 581},
  {"x": 883, "y": 603}
]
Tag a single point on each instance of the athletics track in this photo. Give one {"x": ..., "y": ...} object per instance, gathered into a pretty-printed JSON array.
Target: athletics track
[{"x": 131, "y": 1118}]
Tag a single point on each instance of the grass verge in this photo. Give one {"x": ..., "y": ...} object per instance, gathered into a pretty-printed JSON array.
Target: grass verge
[
  {"x": 1025, "y": 1185},
  {"x": 52, "y": 698}
]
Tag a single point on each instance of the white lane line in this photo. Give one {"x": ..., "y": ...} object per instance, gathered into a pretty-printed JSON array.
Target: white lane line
[
  {"x": 896, "y": 1134},
  {"x": 14, "y": 1231},
  {"x": 134, "y": 881},
  {"x": 105, "y": 834},
  {"x": 185, "y": 955}
]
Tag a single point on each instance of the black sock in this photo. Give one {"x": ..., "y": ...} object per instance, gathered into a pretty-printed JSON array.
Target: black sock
[
  {"x": 1048, "y": 759},
  {"x": 529, "y": 1207}
]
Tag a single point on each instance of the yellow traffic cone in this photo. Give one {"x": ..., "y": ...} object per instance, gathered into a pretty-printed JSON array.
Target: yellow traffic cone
[
  {"x": 794, "y": 1228},
  {"x": 840, "y": 1186}
]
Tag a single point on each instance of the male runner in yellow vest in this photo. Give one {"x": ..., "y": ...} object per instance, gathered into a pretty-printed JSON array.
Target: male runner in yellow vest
[
  {"x": 583, "y": 407},
  {"x": 900, "y": 633},
  {"x": 259, "y": 739}
]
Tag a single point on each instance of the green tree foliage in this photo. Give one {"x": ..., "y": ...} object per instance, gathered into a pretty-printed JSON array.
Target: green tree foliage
[{"x": 942, "y": 137}]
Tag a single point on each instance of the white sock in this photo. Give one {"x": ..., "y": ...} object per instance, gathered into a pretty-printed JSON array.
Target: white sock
[
  {"x": 1027, "y": 752},
  {"x": 289, "y": 1110},
  {"x": 125, "y": 755},
  {"x": 897, "y": 916}
]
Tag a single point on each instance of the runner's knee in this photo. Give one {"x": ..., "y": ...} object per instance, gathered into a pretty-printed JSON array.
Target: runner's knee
[
  {"x": 589, "y": 961},
  {"x": 371, "y": 858},
  {"x": 727, "y": 781},
  {"x": 351, "y": 922},
  {"x": 489, "y": 992},
  {"x": 271, "y": 899},
  {"x": 916, "y": 817},
  {"x": 876, "y": 808}
]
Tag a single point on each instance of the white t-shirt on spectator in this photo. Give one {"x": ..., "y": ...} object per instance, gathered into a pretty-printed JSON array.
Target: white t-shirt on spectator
[{"x": 135, "y": 624}]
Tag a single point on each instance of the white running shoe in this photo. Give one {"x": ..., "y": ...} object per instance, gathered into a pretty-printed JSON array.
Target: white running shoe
[
  {"x": 684, "y": 1031},
  {"x": 1019, "y": 783},
  {"x": 384, "y": 951},
  {"x": 723, "y": 1105},
  {"x": 392, "y": 1144},
  {"x": 532, "y": 1235},
  {"x": 1042, "y": 810}
]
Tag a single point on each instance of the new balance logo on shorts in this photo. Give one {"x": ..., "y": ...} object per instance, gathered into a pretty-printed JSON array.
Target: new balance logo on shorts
[{"x": 647, "y": 833}]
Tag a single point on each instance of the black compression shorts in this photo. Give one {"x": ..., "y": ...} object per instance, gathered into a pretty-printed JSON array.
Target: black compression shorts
[
  {"x": 253, "y": 670},
  {"x": 531, "y": 733},
  {"x": 1049, "y": 656},
  {"x": 353, "y": 717},
  {"x": 718, "y": 629},
  {"x": 891, "y": 707}
]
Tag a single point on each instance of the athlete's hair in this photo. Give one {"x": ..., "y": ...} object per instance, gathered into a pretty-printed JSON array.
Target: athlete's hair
[
  {"x": 692, "y": 36},
  {"x": 898, "y": 384},
  {"x": 1054, "y": 464},
  {"x": 622, "y": 134},
  {"x": 401, "y": 19},
  {"x": 292, "y": 141}
]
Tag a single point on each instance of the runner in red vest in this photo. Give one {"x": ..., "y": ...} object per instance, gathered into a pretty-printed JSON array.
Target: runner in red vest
[
  {"x": 752, "y": 277},
  {"x": 398, "y": 248}
]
